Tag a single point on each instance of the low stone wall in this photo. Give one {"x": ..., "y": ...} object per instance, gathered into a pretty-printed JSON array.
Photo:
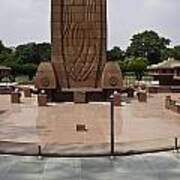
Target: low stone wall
[
  {"x": 164, "y": 89},
  {"x": 172, "y": 104},
  {"x": 161, "y": 89},
  {"x": 6, "y": 90}
]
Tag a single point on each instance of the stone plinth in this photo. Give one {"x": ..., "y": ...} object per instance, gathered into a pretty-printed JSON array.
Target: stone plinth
[
  {"x": 79, "y": 97},
  {"x": 42, "y": 99},
  {"x": 27, "y": 92},
  {"x": 15, "y": 97}
]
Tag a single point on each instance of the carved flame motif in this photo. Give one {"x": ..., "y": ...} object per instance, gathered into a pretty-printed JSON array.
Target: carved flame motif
[{"x": 80, "y": 44}]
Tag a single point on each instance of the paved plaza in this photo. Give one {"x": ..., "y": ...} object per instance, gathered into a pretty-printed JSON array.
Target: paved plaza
[
  {"x": 161, "y": 166},
  {"x": 137, "y": 125}
]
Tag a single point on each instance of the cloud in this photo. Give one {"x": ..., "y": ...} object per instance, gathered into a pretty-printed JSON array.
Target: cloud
[
  {"x": 29, "y": 20},
  {"x": 129, "y": 17},
  {"x": 23, "y": 21}
]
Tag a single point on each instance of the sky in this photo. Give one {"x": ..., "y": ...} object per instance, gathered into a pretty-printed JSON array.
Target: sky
[{"x": 23, "y": 21}]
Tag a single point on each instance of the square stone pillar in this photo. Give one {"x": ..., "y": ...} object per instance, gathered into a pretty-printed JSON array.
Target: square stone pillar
[
  {"x": 27, "y": 92},
  {"x": 117, "y": 99},
  {"x": 42, "y": 99},
  {"x": 15, "y": 97},
  {"x": 142, "y": 96},
  {"x": 168, "y": 102},
  {"x": 130, "y": 92}
]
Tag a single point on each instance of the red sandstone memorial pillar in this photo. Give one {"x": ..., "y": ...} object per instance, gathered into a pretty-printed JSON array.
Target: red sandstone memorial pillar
[
  {"x": 78, "y": 42},
  {"x": 79, "y": 70}
]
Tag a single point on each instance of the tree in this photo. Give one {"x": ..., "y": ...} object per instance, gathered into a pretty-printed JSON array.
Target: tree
[
  {"x": 29, "y": 70},
  {"x": 167, "y": 53},
  {"x": 25, "y": 58},
  {"x": 115, "y": 54},
  {"x": 33, "y": 53},
  {"x": 137, "y": 65},
  {"x": 4, "y": 49},
  {"x": 4, "y": 53},
  {"x": 123, "y": 67},
  {"x": 176, "y": 52},
  {"x": 44, "y": 51},
  {"x": 27, "y": 53},
  {"x": 148, "y": 45}
]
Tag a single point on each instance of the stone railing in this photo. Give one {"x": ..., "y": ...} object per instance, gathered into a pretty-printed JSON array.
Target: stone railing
[
  {"x": 173, "y": 105},
  {"x": 6, "y": 90}
]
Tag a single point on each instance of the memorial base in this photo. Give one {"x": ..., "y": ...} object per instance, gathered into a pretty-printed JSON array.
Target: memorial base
[{"x": 79, "y": 95}]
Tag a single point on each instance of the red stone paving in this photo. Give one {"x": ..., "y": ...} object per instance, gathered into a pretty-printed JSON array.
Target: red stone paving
[{"x": 135, "y": 122}]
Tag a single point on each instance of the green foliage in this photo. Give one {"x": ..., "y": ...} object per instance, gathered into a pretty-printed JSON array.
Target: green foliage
[
  {"x": 167, "y": 53},
  {"x": 24, "y": 59},
  {"x": 176, "y": 52},
  {"x": 29, "y": 69},
  {"x": 33, "y": 53},
  {"x": 22, "y": 79},
  {"x": 4, "y": 53},
  {"x": 145, "y": 48},
  {"x": 115, "y": 54},
  {"x": 171, "y": 52},
  {"x": 149, "y": 45},
  {"x": 137, "y": 65},
  {"x": 4, "y": 49},
  {"x": 123, "y": 67}
]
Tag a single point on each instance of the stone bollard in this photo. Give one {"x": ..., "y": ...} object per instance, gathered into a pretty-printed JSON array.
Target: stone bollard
[
  {"x": 27, "y": 92},
  {"x": 142, "y": 96},
  {"x": 42, "y": 99},
  {"x": 15, "y": 97},
  {"x": 117, "y": 99},
  {"x": 168, "y": 102}
]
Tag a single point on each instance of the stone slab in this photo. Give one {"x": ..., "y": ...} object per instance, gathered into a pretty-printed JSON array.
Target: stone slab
[{"x": 159, "y": 166}]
